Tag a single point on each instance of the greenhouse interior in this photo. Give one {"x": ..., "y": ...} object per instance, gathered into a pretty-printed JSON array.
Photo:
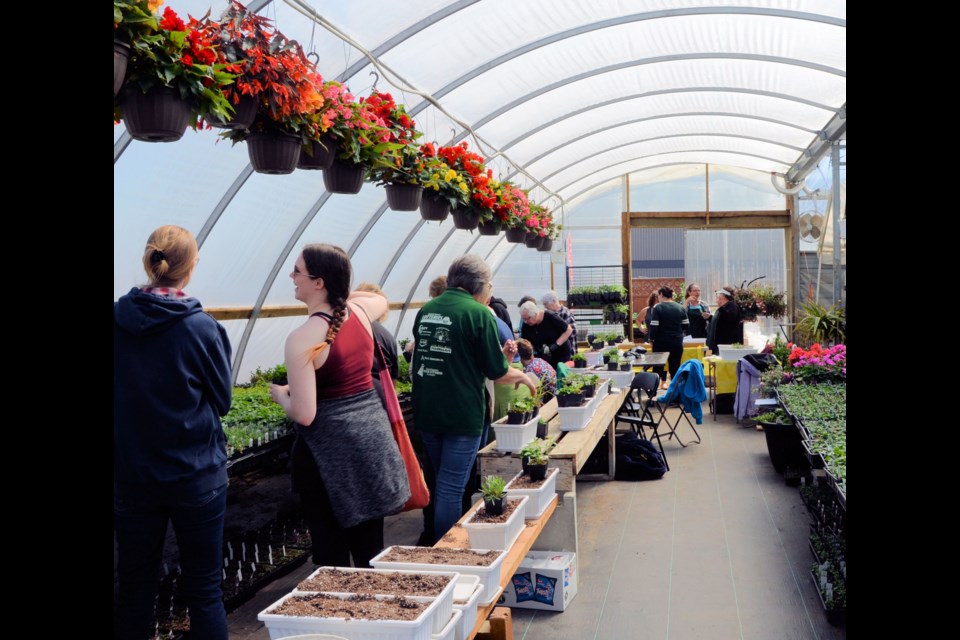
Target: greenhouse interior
[{"x": 514, "y": 319}]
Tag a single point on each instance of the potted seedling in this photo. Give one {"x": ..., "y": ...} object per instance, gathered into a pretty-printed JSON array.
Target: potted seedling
[
  {"x": 614, "y": 362},
  {"x": 541, "y": 428},
  {"x": 626, "y": 363},
  {"x": 570, "y": 394},
  {"x": 537, "y": 465},
  {"x": 590, "y": 385},
  {"x": 609, "y": 354},
  {"x": 579, "y": 361},
  {"x": 520, "y": 411},
  {"x": 493, "y": 489},
  {"x": 611, "y": 338}
]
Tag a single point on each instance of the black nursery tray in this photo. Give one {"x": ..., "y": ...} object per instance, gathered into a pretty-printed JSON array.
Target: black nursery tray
[
  {"x": 836, "y": 615},
  {"x": 252, "y": 587},
  {"x": 255, "y": 457},
  {"x": 816, "y": 459}
]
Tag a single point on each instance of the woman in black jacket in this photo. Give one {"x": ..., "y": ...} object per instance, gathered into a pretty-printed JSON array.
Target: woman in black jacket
[
  {"x": 171, "y": 385},
  {"x": 726, "y": 326}
]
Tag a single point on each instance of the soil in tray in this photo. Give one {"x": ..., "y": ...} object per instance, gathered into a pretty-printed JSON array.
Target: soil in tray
[
  {"x": 524, "y": 482},
  {"x": 429, "y": 555},
  {"x": 481, "y": 517},
  {"x": 356, "y": 607},
  {"x": 368, "y": 582}
]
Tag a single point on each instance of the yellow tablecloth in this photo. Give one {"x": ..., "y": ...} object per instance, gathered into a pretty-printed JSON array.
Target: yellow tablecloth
[
  {"x": 726, "y": 373},
  {"x": 693, "y": 352}
]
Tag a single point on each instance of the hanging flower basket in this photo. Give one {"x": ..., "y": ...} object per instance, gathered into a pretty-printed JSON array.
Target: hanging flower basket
[
  {"x": 467, "y": 219},
  {"x": 433, "y": 208},
  {"x": 404, "y": 197},
  {"x": 323, "y": 153},
  {"x": 159, "y": 115},
  {"x": 344, "y": 177},
  {"x": 532, "y": 240},
  {"x": 245, "y": 112},
  {"x": 516, "y": 234},
  {"x": 121, "y": 55},
  {"x": 273, "y": 152},
  {"x": 489, "y": 228},
  {"x": 546, "y": 245}
]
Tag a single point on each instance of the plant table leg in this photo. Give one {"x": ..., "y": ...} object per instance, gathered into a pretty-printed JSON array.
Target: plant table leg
[{"x": 499, "y": 626}]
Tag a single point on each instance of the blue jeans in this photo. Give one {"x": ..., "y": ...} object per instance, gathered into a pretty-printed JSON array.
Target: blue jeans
[
  {"x": 452, "y": 457},
  {"x": 140, "y": 522}
]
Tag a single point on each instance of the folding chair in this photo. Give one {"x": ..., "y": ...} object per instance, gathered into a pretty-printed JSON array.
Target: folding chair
[
  {"x": 686, "y": 388},
  {"x": 636, "y": 411}
]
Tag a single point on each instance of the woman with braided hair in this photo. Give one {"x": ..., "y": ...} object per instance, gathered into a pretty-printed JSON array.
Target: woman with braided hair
[{"x": 346, "y": 465}]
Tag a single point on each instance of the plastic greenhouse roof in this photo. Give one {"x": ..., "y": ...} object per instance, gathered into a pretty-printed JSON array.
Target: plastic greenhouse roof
[{"x": 576, "y": 94}]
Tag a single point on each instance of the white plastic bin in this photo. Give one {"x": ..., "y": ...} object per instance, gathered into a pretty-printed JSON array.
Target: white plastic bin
[
  {"x": 489, "y": 576},
  {"x": 575, "y": 418},
  {"x": 729, "y": 353},
  {"x": 445, "y": 597},
  {"x": 471, "y": 592},
  {"x": 539, "y": 498},
  {"x": 491, "y": 535},
  {"x": 281, "y": 626},
  {"x": 512, "y": 437},
  {"x": 449, "y": 630}
]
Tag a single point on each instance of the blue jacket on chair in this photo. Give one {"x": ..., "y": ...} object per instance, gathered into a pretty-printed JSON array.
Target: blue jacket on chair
[{"x": 688, "y": 389}]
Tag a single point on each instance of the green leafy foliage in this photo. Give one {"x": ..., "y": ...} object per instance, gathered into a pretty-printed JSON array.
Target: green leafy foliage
[
  {"x": 822, "y": 325},
  {"x": 493, "y": 488}
]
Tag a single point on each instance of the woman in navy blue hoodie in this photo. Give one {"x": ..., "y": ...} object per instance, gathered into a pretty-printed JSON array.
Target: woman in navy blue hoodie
[{"x": 171, "y": 368}]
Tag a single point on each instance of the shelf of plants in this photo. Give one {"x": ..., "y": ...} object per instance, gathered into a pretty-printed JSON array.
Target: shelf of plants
[
  {"x": 814, "y": 395},
  {"x": 250, "y": 561},
  {"x": 599, "y": 298}
]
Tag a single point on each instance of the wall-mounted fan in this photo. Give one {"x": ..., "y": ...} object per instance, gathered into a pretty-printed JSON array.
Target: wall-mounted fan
[{"x": 811, "y": 226}]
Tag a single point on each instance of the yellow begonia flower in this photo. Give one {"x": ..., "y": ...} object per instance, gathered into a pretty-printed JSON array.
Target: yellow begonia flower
[
  {"x": 153, "y": 5},
  {"x": 451, "y": 174},
  {"x": 463, "y": 187}
]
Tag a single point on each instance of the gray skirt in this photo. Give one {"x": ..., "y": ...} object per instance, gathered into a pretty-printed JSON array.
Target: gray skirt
[{"x": 357, "y": 457}]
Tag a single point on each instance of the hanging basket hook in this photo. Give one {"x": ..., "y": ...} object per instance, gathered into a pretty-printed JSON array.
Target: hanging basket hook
[
  {"x": 376, "y": 78},
  {"x": 314, "y": 57}
]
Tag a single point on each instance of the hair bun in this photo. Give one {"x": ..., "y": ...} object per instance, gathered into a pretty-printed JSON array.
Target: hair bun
[{"x": 157, "y": 256}]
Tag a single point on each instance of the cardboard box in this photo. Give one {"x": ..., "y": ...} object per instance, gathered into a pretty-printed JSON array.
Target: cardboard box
[{"x": 545, "y": 580}]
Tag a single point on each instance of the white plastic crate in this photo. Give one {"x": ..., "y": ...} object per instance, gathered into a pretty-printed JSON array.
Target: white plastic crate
[
  {"x": 281, "y": 626},
  {"x": 512, "y": 437},
  {"x": 445, "y": 597},
  {"x": 539, "y": 498},
  {"x": 620, "y": 378},
  {"x": 449, "y": 630},
  {"x": 490, "y": 535},
  {"x": 575, "y": 418},
  {"x": 728, "y": 353},
  {"x": 489, "y": 576},
  {"x": 468, "y": 588}
]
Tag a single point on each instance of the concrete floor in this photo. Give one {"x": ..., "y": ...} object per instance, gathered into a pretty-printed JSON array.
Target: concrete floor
[{"x": 716, "y": 549}]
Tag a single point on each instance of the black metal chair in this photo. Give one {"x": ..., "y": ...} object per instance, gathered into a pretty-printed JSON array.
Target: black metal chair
[
  {"x": 637, "y": 410},
  {"x": 672, "y": 401}
]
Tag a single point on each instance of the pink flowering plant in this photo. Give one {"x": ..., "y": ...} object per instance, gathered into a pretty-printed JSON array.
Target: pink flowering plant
[
  {"x": 817, "y": 364},
  {"x": 519, "y": 210}
]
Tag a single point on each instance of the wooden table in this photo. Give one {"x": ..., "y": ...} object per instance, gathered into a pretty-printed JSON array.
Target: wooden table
[{"x": 457, "y": 538}]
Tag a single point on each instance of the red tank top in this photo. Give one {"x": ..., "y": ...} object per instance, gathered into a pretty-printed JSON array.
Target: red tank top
[{"x": 348, "y": 365}]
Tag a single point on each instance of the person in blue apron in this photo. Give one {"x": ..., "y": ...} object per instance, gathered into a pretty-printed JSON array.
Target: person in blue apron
[{"x": 698, "y": 313}]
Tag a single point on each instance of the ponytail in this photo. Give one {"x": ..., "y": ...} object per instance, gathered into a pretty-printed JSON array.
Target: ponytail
[{"x": 339, "y": 316}]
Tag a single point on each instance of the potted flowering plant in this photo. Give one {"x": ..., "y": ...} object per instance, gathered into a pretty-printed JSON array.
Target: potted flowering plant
[
  {"x": 242, "y": 40},
  {"x": 516, "y": 218},
  {"x": 284, "y": 83},
  {"x": 553, "y": 230},
  {"x": 479, "y": 192},
  {"x": 172, "y": 75},
  {"x": 493, "y": 219},
  {"x": 132, "y": 20},
  {"x": 403, "y": 167},
  {"x": 535, "y": 225},
  {"x": 444, "y": 185},
  {"x": 360, "y": 137}
]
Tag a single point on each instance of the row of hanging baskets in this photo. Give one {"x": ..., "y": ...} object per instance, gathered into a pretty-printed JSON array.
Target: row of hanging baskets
[{"x": 238, "y": 74}]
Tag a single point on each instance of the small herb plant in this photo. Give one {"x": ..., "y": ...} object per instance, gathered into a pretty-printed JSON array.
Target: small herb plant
[
  {"x": 493, "y": 488},
  {"x": 579, "y": 360},
  {"x": 521, "y": 405}
]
